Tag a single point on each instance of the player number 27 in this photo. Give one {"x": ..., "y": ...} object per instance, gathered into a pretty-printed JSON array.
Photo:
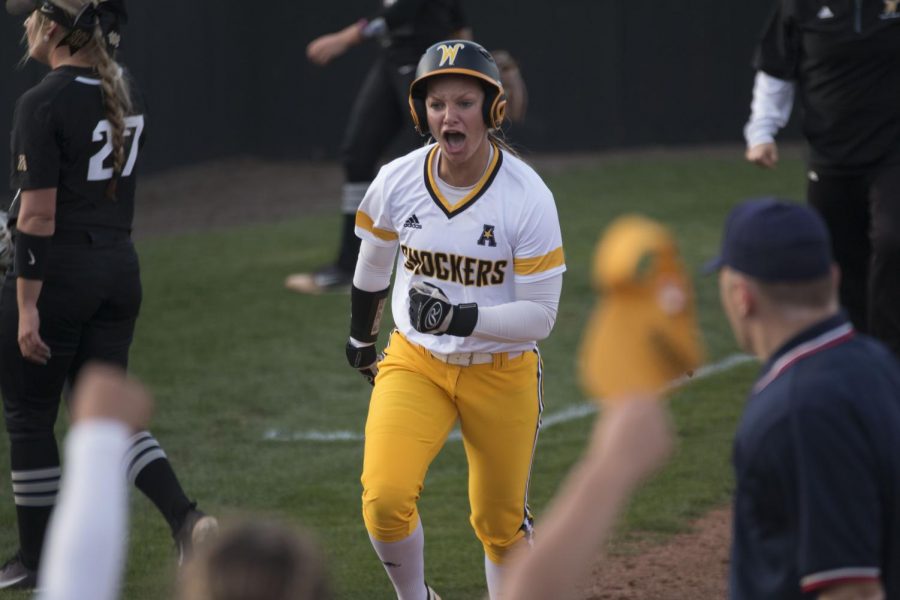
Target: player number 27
[{"x": 134, "y": 127}]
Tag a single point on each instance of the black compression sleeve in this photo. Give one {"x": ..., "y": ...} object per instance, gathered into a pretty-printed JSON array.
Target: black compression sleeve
[{"x": 366, "y": 309}]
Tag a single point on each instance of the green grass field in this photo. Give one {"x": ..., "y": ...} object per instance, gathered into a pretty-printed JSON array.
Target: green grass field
[{"x": 231, "y": 355}]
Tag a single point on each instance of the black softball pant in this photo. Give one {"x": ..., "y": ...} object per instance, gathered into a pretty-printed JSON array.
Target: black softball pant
[
  {"x": 380, "y": 111},
  {"x": 862, "y": 211},
  {"x": 88, "y": 308}
]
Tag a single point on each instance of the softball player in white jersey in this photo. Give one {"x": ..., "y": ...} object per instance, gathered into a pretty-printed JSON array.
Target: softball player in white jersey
[{"x": 479, "y": 273}]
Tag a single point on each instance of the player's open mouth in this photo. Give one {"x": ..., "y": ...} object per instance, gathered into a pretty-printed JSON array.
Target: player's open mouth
[{"x": 455, "y": 140}]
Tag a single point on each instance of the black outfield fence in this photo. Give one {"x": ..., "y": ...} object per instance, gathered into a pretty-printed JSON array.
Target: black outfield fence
[{"x": 226, "y": 78}]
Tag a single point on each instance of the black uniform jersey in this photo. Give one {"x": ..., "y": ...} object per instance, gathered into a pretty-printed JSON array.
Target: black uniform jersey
[
  {"x": 845, "y": 58},
  {"x": 414, "y": 25},
  {"x": 62, "y": 139}
]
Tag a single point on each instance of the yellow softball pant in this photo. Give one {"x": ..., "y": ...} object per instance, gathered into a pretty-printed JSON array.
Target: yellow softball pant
[{"x": 415, "y": 403}]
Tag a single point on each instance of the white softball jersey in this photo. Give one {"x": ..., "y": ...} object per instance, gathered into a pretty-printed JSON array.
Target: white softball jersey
[{"x": 504, "y": 230}]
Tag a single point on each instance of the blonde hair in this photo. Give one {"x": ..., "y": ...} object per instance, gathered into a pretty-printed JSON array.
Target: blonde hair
[
  {"x": 498, "y": 137},
  {"x": 36, "y": 22},
  {"x": 113, "y": 85}
]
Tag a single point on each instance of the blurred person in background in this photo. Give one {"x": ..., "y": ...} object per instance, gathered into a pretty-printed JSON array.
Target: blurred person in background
[
  {"x": 403, "y": 30},
  {"x": 257, "y": 559},
  {"x": 841, "y": 61}
]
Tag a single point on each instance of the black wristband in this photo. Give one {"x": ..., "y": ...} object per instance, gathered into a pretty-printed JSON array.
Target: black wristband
[
  {"x": 465, "y": 317},
  {"x": 366, "y": 309},
  {"x": 31, "y": 255}
]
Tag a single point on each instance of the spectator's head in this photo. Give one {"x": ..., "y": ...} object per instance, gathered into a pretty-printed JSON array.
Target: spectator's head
[{"x": 257, "y": 560}]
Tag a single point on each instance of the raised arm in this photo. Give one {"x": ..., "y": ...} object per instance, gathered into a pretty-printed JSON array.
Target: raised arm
[
  {"x": 86, "y": 543},
  {"x": 629, "y": 442},
  {"x": 326, "y": 48}
]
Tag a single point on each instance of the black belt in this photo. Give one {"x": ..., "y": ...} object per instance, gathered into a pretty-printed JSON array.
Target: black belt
[{"x": 100, "y": 236}]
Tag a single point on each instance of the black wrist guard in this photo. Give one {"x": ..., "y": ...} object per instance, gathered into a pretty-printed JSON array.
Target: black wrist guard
[
  {"x": 31, "y": 255},
  {"x": 465, "y": 317},
  {"x": 361, "y": 358},
  {"x": 366, "y": 309},
  {"x": 365, "y": 360}
]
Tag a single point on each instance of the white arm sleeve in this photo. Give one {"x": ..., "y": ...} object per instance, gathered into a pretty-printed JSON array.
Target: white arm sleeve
[
  {"x": 86, "y": 542},
  {"x": 374, "y": 267},
  {"x": 770, "y": 109},
  {"x": 529, "y": 318}
]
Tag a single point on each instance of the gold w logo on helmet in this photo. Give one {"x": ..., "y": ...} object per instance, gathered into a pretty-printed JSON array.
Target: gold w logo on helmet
[{"x": 448, "y": 53}]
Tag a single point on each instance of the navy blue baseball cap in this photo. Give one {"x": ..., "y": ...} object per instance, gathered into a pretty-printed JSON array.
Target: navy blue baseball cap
[{"x": 776, "y": 241}]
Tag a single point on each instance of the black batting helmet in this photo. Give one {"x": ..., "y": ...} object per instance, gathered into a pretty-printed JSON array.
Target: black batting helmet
[{"x": 458, "y": 57}]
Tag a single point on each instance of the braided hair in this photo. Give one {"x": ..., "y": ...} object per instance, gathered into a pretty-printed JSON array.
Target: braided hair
[{"x": 116, "y": 98}]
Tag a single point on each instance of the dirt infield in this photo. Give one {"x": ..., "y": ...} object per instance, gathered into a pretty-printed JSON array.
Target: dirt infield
[
  {"x": 243, "y": 191},
  {"x": 689, "y": 566}
]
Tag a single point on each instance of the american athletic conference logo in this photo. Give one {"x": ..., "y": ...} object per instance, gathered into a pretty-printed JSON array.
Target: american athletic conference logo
[
  {"x": 434, "y": 316},
  {"x": 487, "y": 237}
]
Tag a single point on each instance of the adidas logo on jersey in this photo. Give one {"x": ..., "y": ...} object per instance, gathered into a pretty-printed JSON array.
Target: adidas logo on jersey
[
  {"x": 825, "y": 13},
  {"x": 413, "y": 222}
]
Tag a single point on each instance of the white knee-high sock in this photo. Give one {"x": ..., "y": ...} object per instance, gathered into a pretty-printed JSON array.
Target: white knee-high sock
[
  {"x": 404, "y": 562},
  {"x": 494, "y": 575}
]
